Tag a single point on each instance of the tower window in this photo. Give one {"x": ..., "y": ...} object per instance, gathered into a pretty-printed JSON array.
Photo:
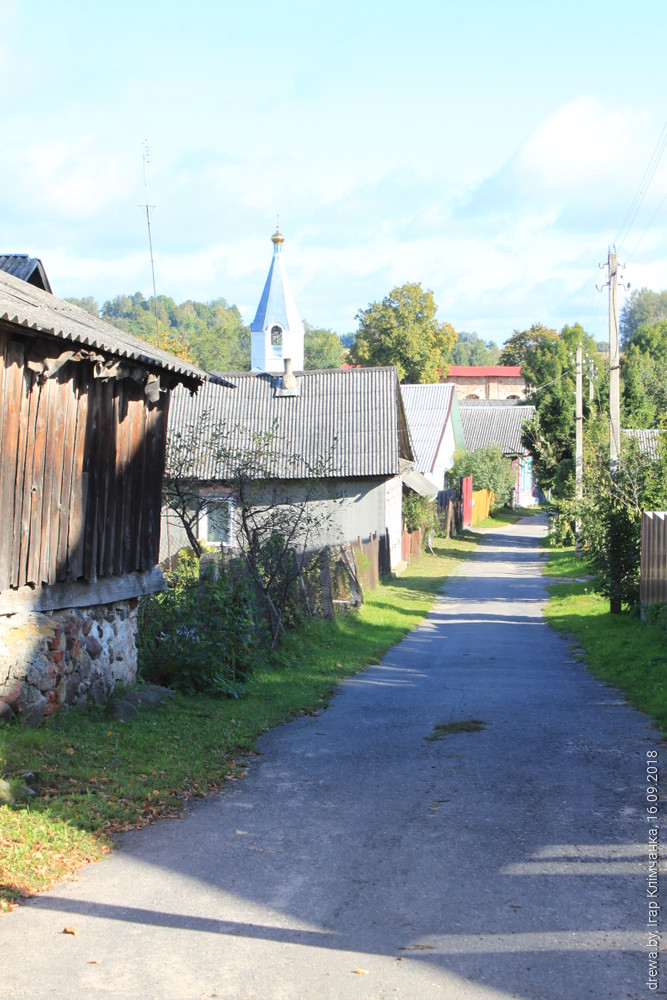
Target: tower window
[{"x": 276, "y": 336}]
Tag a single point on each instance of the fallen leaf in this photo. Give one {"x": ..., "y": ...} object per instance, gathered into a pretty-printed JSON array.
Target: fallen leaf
[
  {"x": 71, "y": 930},
  {"x": 93, "y": 961},
  {"x": 360, "y": 972},
  {"x": 241, "y": 833},
  {"x": 70, "y": 751}
]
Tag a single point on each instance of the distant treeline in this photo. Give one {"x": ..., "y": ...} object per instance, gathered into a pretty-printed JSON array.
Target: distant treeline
[{"x": 210, "y": 334}]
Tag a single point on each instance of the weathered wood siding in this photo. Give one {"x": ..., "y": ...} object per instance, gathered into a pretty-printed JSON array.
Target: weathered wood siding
[{"x": 81, "y": 463}]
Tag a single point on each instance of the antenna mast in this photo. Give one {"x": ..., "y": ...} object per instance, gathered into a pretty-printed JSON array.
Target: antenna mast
[{"x": 146, "y": 155}]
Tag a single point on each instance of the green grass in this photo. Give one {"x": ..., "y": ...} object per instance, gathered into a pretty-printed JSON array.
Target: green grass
[
  {"x": 620, "y": 650},
  {"x": 95, "y": 776}
]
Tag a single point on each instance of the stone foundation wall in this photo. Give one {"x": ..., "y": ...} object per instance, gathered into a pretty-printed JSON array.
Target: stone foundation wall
[{"x": 65, "y": 658}]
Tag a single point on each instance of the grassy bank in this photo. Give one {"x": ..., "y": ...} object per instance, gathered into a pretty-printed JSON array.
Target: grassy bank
[
  {"x": 620, "y": 650},
  {"x": 93, "y": 776}
]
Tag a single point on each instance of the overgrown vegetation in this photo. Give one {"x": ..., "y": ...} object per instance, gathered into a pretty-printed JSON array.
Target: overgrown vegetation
[
  {"x": 608, "y": 519},
  {"x": 490, "y": 470},
  {"x": 199, "y": 636},
  {"x": 95, "y": 776},
  {"x": 420, "y": 513}
]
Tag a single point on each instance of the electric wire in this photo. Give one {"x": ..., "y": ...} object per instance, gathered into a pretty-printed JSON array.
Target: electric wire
[{"x": 644, "y": 185}]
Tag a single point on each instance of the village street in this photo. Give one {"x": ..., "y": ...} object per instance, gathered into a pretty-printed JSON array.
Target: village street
[{"x": 359, "y": 859}]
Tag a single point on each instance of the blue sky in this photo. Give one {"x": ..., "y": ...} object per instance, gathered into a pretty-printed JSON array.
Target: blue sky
[{"x": 490, "y": 151}]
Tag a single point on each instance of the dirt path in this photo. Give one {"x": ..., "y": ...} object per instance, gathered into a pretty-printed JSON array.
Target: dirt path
[{"x": 360, "y": 859}]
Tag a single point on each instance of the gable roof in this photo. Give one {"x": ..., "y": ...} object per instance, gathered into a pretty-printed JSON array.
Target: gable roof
[
  {"x": 338, "y": 424},
  {"x": 29, "y": 269},
  {"x": 24, "y": 305},
  {"x": 494, "y": 422},
  {"x": 429, "y": 409}
]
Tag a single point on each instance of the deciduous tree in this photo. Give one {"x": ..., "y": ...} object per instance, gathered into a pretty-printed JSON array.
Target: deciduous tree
[{"x": 402, "y": 330}]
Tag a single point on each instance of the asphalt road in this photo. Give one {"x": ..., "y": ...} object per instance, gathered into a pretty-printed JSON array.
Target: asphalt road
[{"x": 359, "y": 859}]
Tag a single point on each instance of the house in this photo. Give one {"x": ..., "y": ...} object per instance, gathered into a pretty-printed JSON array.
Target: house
[
  {"x": 647, "y": 441},
  {"x": 487, "y": 381},
  {"x": 336, "y": 437},
  {"x": 499, "y": 422},
  {"x": 83, "y": 422},
  {"x": 435, "y": 428},
  {"x": 28, "y": 269}
]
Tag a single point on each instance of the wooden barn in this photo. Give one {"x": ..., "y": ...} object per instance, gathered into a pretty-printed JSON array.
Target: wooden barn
[{"x": 83, "y": 423}]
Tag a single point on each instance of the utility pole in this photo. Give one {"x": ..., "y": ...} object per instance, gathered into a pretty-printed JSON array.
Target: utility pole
[
  {"x": 579, "y": 440},
  {"x": 614, "y": 369},
  {"x": 591, "y": 381},
  {"x": 146, "y": 155}
]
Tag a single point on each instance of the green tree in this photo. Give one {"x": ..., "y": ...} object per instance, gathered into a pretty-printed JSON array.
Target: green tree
[
  {"x": 490, "y": 470},
  {"x": 470, "y": 349},
  {"x": 89, "y": 304},
  {"x": 322, "y": 348},
  {"x": 402, "y": 330},
  {"x": 642, "y": 308}
]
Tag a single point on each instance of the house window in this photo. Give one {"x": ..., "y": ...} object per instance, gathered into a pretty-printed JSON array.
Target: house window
[{"x": 215, "y": 521}]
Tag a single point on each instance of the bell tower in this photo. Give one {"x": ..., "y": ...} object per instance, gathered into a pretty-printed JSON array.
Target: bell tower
[{"x": 276, "y": 333}]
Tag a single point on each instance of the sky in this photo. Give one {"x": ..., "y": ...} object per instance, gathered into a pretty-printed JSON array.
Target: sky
[{"x": 492, "y": 152}]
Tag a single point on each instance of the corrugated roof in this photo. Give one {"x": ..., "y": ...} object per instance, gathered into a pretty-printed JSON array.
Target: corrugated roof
[
  {"x": 341, "y": 423},
  {"x": 34, "y": 309},
  {"x": 26, "y": 268},
  {"x": 494, "y": 423},
  {"x": 648, "y": 441},
  {"x": 428, "y": 408}
]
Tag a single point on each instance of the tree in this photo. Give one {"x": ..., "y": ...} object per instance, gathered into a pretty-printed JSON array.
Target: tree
[
  {"x": 490, "y": 470},
  {"x": 642, "y": 308},
  {"x": 89, "y": 304},
  {"x": 402, "y": 330},
  {"x": 276, "y": 524},
  {"x": 322, "y": 348},
  {"x": 470, "y": 349}
]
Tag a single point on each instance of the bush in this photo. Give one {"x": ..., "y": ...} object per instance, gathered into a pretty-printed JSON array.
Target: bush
[
  {"x": 198, "y": 638},
  {"x": 490, "y": 470},
  {"x": 420, "y": 512}
]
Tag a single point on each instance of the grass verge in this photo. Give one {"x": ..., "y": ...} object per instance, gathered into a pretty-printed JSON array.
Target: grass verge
[
  {"x": 94, "y": 777},
  {"x": 620, "y": 650}
]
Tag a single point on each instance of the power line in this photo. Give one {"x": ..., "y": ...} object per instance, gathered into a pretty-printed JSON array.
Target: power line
[{"x": 644, "y": 185}]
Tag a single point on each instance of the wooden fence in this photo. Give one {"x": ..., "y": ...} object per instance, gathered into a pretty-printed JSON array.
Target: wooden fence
[
  {"x": 481, "y": 505},
  {"x": 653, "y": 573}
]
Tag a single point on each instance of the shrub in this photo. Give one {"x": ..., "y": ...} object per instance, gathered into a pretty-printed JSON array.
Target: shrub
[
  {"x": 198, "y": 637},
  {"x": 490, "y": 470},
  {"x": 420, "y": 512}
]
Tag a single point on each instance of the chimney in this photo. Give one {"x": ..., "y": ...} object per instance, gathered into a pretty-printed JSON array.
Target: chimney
[{"x": 289, "y": 383}]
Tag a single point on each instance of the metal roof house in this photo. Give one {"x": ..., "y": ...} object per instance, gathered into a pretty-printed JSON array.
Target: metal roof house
[
  {"x": 345, "y": 428},
  {"x": 435, "y": 428},
  {"x": 28, "y": 269},
  {"x": 499, "y": 422},
  {"x": 83, "y": 425}
]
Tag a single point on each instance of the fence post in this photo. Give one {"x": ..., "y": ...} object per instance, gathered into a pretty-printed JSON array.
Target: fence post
[{"x": 325, "y": 584}]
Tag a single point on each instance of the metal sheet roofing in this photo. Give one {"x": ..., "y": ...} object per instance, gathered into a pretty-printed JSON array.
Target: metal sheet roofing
[
  {"x": 26, "y": 268},
  {"x": 648, "y": 441},
  {"x": 35, "y": 310},
  {"x": 494, "y": 423},
  {"x": 341, "y": 424},
  {"x": 428, "y": 409}
]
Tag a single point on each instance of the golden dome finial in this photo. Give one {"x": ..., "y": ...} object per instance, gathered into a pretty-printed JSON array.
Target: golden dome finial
[{"x": 277, "y": 239}]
